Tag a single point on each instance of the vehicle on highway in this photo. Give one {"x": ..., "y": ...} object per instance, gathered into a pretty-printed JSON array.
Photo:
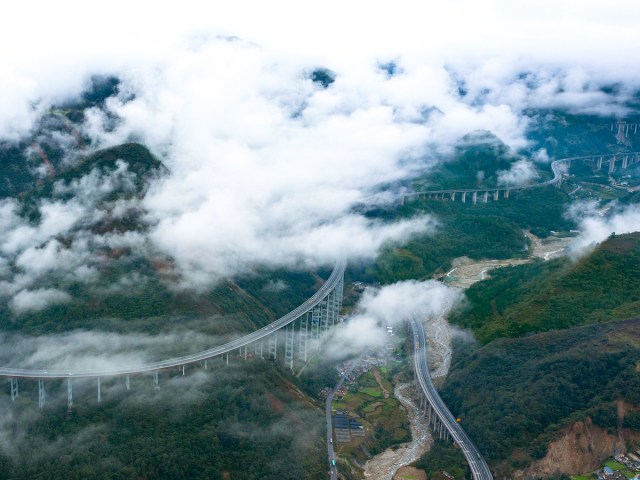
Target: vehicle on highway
[{"x": 333, "y": 462}]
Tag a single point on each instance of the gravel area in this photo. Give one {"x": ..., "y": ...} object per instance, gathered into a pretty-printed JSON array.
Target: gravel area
[{"x": 385, "y": 465}]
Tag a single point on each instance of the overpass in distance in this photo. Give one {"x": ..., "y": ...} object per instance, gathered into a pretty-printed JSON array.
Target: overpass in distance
[{"x": 558, "y": 167}]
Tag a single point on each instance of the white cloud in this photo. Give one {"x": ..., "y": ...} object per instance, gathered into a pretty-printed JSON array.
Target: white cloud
[
  {"x": 391, "y": 305},
  {"x": 265, "y": 165},
  {"x": 36, "y": 300},
  {"x": 521, "y": 172},
  {"x": 596, "y": 227}
]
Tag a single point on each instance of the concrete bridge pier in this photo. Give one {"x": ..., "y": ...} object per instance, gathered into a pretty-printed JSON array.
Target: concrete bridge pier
[
  {"x": 99, "y": 391},
  {"x": 600, "y": 163},
  {"x": 324, "y": 318},
  {"x": 496, "y": 195},
  {"x": 475, "y": 197},
  {"x": 506, "y": 194},
  {"x": 14, "y": 388},
  {"x": 69, "y": 395},
  {"x": 288, "y": 346},
  {"x": 453, "y": 196},
  {"x": 156, "y": 377},
  {"x": 273, "y": 345},
  {"x": 625, "y": 161},
  {"x": 303, "y": 332},
  {"x": 41, "y": 394},
  {"x": 316, "y": 316},
  {"x": 464, "y": 196},
  {"x": 127, "y": 382},
  {"x": 612, "y": 164},
  {"x": 485, "y": 197}
]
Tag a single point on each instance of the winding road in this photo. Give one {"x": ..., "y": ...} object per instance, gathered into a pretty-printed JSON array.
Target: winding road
[
  {"x": 333, "y": 468},
  {"x": 479, "y": 468},
  {"x": 334, "y": 279},
  {"x": 626, "y": 159}
]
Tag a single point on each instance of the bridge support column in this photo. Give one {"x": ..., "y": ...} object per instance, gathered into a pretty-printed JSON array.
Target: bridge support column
[
  {"x": 288, "y": 346},
  {"x": 205, "y": 363},
  {"x": 625, "y": 161},
  {"x": 273, "y": 345},
  {"x": 156, "y": 378},
  {"x": 41, "y": 394},
  {"x": 69, "y": 395},
  {"x": 475, "y": 197},
  {"x": 303, "y": 332},
  {"x": 464, "y": 196},
  {"x": 128, "y": 383},
  {"x": 496, "y": 195},
  {"x": 316, "y": 318},
  {"x": 339, "y": 294},
  {"x": 14, "y": 388},
  {"x": 99, "y": 391},
  {"x": 324, "y": 318},
  {"x": 334, "y": 306},
  {"x": 599, "y": 163},
  {"x": 506, "y": 194},
  {"x": 453, "y": 196},
  {"x": 612, "y": 165},
  {"x": 485, "y": 197}
]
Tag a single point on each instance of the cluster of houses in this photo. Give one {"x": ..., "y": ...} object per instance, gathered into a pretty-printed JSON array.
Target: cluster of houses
[{"x": 630, "y": 460}]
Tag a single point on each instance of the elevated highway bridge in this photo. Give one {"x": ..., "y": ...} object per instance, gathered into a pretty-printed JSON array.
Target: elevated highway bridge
[{"x": 558, "y": 167}]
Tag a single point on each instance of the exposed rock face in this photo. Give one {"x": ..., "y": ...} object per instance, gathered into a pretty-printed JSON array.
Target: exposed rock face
[{"x": 581, "y": 449}]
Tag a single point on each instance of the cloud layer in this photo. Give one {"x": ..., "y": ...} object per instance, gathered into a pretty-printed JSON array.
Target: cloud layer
[
  {"x": 266, "y": 165},
  {"x": 391, "y": 305}
]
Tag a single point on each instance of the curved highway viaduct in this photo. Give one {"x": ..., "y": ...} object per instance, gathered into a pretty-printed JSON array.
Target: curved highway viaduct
[
  {"x": 558, "y": 167},
  {"x": 313, "y": 317},
  {"x": 440, "y": 418}
]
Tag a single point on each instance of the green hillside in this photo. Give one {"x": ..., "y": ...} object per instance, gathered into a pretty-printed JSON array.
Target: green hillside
[
  {"x": 567, "y": 135},
  {"x": 135, "y": 290},
  {"x": 475, "y": 163},
  {"x": 246, "y": 420},
  {"x": 514, "y": 395},
  {"x": 516, "y": 301},
  {"x": 491, "y": 230}
]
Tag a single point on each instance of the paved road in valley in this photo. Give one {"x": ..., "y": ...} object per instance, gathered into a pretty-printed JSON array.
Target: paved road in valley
[
  {"x": 479, "y": 468},
  {"x": 332, "y": 456}
]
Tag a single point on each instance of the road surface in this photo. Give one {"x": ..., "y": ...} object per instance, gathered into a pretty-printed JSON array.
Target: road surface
[
  {"x": 332, "y": 468},
  {"x": 479, "y": 468}
]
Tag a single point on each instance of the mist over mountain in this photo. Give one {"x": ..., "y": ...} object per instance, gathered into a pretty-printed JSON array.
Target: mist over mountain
[{"x": 175, "y": 176}]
